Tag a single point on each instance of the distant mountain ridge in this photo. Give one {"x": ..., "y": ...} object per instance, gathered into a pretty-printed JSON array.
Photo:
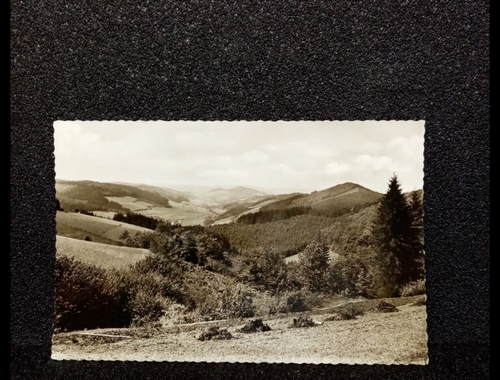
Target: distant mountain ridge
[
  {"x": 344, "y": 196},
  {"x": 234, "y": 194},
  {"x": 224, "y": 204}
]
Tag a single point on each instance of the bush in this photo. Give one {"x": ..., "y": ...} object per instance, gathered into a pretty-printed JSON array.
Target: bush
[
  {"x": 255, "y": 326},
  {"x": 146, "y": 308},
  {"x": 385, "y": 307},
  {"x": 349, "y": 277},
  {"x": 349, "y": 313},
  {"x": 295, "y": 301},
  {"x": 414, "y": 288},
  {"x": 215, "y": 333},
  {"x": 84, "y": 298},
  {"x": 146, "y": 290},
  {"x": 303, "y": 322}
]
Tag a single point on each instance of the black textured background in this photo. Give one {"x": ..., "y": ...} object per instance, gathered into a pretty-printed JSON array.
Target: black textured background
[{"x": 221, "y": 60}]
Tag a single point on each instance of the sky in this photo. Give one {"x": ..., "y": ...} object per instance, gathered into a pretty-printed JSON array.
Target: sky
[{"x": 293, "y": 156}]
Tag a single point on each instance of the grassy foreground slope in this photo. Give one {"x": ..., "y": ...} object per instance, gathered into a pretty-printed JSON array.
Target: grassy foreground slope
[
  {"x": 373, "y": 338},
  {"x": 102, "y": 255},
  {"x": 100, "y": 230}
]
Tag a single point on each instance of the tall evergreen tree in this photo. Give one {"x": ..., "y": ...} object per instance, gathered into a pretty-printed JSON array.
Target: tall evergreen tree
[
  {"x": 417, "y": 237},
  {"x": 395, "y": 237}
]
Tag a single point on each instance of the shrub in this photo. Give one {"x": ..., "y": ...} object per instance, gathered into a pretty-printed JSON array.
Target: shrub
[
  {"x": 295, "y": 302},
  {"x": 286, "y": 302},
  {"x": 147, "y": 289},
  {"x": 345, "y": 314},
  {"x": 349, "y": 277},
  {"x": 255, "y": 326},
  {"x": 413, "y": 288},
  {"x": 83, "y": 296},
  {"x": 349, "y": 313},
  {"x": 303, "y": 322},
  {"x": 237, "y": 302},
  {"x": 214, "y": 333},
  {"x": 146, "y": 308},
  {"x": 385, "y": 307}
]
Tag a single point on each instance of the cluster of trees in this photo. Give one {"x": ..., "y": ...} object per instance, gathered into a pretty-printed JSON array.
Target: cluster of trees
[
  {"x": 315, "y": 272},
  {"x": 382, "y": 256},
  {"x": 273, "y": 215},
  {"x": 337, "y": 210},
  {"x": 381, "y": 251},
  {"x": 289, "y": 235},
  {"x": 193, "y": 244},
  {"x": 137, "y": 220},
  {"x": 84, "y": 212}
]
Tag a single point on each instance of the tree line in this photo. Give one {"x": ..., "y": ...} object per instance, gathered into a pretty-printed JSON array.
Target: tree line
[
  {"x": 137, "y": 220},
  {"x": 272, "y": 215}
]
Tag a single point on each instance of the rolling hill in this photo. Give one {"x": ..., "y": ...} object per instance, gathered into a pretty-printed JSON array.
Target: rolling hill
[
  {"x": 170, "y": 194},
  {"x": 348, "y": 196},
  {"x": 239, "y": 193},
  {"x": 77, "y": 226},
  {"x": 219, "y": 205},
  {"x": 103, "y": 255},
  {"x": 95, "y": 196}
]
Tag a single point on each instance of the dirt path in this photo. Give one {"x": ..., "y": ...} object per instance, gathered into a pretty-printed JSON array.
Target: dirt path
[{"x": 385, "y": 338}]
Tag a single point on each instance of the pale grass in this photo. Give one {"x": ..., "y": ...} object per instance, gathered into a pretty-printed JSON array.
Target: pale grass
[
  {"x": 108, "y": 229},
  {"x": 103, "y": 255},
  {"x": 374, "y": 338}
]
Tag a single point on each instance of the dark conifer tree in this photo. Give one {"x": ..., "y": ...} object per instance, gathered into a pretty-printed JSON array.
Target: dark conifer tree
[{"x": 395, "y": 238}]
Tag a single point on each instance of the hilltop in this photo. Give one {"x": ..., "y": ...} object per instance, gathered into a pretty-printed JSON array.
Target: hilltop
[
  {"x": 346, "y": 196},
  {"x": 214, "y": 206},
  {"x": 98, "y": 196}
]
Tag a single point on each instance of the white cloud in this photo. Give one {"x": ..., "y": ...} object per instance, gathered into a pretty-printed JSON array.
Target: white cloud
[
  {"x": 336, "y": 168},
  {"x": 375, "y": 163},
  {"x": 270, "y": 154}
]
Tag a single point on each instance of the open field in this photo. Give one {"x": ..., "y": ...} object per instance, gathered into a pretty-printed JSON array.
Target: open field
[
  {"x": 101, "y": 230},
  {"x": 188, "y": 214},
  {"x": 382, "y": 338},
  {"x": 102, "y": 255}
]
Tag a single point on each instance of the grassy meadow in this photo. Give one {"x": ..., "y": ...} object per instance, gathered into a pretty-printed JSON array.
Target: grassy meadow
[
  {"x": 372, "y": 338},
  {"x": 103, "y": 255},
  {"x": 100, "y": 230}
]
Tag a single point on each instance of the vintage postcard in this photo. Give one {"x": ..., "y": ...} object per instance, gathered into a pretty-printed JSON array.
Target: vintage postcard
[{"x": 240, "y": 241}]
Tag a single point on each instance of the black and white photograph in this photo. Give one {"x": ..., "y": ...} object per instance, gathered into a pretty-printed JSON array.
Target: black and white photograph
[{"x": 240, "y": 241}]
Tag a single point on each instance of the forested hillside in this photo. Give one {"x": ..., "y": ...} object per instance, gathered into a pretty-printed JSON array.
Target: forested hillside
[{"x": 92, "y": 196}]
